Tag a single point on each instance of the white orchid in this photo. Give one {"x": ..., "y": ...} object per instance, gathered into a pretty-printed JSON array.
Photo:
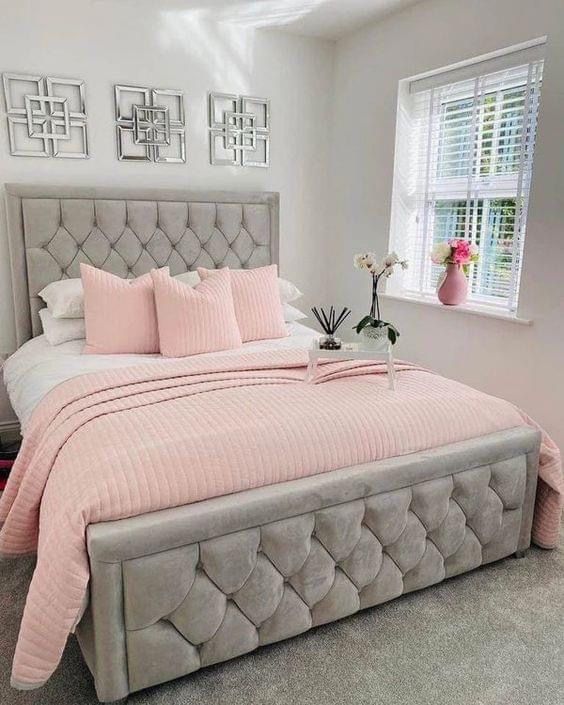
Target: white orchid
[
  {"x": 376, "y": 270},
  {"x": 358, "y": 261},
  {"x": 368, "y": 261},
  {"x": 389, "y": 263},
  {"x": 390, "y": 259},
  {"x": 384, "y": 268},
  {"x": 365, "y": 260}
]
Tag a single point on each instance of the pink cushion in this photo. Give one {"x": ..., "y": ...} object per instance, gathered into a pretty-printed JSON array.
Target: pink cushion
[
  {"x": 195, "y": 319},
  {"x": 119, "y": 314},
  {"x": 257, "y": 302}
]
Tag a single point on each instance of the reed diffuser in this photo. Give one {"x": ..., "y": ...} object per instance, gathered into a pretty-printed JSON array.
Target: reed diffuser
[{"x": 329, "y": 324}]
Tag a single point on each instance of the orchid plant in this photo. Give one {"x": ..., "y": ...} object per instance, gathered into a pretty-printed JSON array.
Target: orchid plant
[
  {"x": 378, "y": 270},
  {"x": 456, "y": 251}
]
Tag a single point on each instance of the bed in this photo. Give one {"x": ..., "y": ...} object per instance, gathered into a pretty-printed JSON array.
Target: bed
[{"x": 190, "y": 584}]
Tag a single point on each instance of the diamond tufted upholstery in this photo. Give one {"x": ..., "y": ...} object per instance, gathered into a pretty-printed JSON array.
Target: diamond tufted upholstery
[
  {"x": 175, "y": 590},
  {"x": 210, "y": 601},
  {"x": 128, "y": 233}
]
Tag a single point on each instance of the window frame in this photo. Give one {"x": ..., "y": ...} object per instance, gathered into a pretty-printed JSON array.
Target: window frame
[{"x": 487, "y": 189}]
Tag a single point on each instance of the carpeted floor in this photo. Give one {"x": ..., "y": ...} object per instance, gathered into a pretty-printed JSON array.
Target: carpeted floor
[{"x": 491, "y": 637}]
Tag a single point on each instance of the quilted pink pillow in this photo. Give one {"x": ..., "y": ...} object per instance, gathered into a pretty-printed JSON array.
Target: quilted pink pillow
[
  {"x": 256, "y": 297},
  {"x": 195, "y": 319},
  {"x": 119, "y": 314}
]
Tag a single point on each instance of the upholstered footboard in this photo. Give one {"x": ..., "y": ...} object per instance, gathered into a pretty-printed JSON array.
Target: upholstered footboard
[{"x": 176, "y": 590}]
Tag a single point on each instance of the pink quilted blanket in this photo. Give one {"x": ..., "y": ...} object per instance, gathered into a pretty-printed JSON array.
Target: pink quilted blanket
[{"x": 122, "y": 442}]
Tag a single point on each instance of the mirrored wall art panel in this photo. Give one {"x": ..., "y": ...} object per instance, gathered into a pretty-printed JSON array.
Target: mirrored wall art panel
[
  {"x": 150, "y": 124},
  {"x": 239, "y": 128},
  {"x": 46, "y": 116}
]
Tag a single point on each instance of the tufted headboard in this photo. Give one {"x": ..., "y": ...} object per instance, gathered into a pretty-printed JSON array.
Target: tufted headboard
[{"x": 51, "y": 229}]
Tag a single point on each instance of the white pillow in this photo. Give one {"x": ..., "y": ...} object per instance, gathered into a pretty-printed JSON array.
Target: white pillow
[
  {"x": 288, "y": 291},
  {"x": 286, "y": 288},
  {"x": 292, "y": 314},
  {"x": 190, "y": 278},
  {"x": 61, "y": 330},
  {"x": 64, "y": 298}
]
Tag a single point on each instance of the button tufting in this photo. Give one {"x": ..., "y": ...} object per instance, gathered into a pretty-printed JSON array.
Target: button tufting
[
  {"x": 322, "y": 589},
  {"x": 227, "y": 239}
]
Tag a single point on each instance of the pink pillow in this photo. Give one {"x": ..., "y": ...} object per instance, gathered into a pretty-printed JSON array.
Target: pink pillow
[
  {"x": 195, "y": 319},
  {"x": 256, "y": 297},
  {"x": 119, "y": 314}
]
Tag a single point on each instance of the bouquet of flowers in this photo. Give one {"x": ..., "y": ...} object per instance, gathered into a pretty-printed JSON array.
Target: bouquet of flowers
[
  {"x": 372, "y": 325},
  {"x": 457, "y": 256},
  {"x": 455, "y": 251}
]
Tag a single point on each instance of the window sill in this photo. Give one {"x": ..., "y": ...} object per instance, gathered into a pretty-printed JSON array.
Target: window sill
[{"x": 472, "y": 309}]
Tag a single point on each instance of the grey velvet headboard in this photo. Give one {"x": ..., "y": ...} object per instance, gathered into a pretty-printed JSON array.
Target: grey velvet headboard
[{"x": 51, "y": 229}]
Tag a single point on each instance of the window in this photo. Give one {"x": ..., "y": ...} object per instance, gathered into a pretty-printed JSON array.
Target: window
[{"x": 464, "y": 158}]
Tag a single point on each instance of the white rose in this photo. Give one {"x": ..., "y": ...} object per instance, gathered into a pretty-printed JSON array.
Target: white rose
[{"x": 441, "y": 251}]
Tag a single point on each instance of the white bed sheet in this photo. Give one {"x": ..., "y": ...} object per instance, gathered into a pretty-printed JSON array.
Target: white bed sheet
[{"x": 37, "y": 367}]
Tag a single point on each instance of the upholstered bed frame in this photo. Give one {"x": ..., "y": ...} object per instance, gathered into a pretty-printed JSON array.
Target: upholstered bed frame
[
  {"x": 52, "y": 229},
  {"x": 176, "y": 590}
]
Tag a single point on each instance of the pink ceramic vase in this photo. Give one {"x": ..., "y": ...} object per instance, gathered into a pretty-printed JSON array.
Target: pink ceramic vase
[{"x": 453, "y": 287}]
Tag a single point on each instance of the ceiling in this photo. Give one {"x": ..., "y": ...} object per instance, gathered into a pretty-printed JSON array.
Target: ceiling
[{"x": 330, "y": 19}]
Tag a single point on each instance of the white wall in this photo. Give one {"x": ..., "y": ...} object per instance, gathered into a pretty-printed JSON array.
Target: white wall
[
  {"x": 522, "y": 364},
  {"x": 110, "y": 42}
]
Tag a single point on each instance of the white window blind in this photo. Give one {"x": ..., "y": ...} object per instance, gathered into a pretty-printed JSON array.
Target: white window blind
[{"x": 464, "y": 160}]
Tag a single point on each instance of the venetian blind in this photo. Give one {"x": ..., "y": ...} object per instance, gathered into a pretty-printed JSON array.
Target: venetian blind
[{"x": 464, "y": 161}]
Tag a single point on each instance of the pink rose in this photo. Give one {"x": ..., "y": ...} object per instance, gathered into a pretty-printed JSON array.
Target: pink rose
[{"x": 461, "y": 253}]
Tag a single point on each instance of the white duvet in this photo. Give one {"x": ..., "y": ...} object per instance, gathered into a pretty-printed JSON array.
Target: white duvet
[{"x": 37, "y": 367}]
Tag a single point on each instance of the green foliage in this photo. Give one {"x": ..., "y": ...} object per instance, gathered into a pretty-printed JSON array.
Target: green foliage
[{"x": 393, "y": 332}]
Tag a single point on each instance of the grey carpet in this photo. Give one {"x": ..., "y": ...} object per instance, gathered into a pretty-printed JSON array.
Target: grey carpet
[{"x": 490, "y": 637}]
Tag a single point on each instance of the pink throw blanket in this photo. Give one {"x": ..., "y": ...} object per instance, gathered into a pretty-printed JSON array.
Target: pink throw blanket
[{"x": 119, "y": 443}]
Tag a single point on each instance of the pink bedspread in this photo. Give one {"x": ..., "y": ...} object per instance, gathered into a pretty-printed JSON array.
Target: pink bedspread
[{"x": 123, "y": 442}]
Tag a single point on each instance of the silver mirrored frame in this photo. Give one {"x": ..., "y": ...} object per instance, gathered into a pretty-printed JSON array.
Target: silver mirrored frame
[
  {"x": 168, "y": 159},
  {"x": 175, "y": 125},
  {"x": 262, "y": 133},
  {"x": 151, "y": 128},
  {"x": 233, "y": 132},
  {"x": 46, "y": 93}
]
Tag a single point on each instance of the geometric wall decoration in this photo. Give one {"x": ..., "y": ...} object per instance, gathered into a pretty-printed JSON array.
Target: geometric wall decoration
[
  {"x": 239, "y": 128},
  {"x": 46, "y": 116},
  {"x": 150, "y": 125}
]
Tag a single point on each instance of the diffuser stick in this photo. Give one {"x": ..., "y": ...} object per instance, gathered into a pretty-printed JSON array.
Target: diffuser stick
[{"x": 329, "y": 323}]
